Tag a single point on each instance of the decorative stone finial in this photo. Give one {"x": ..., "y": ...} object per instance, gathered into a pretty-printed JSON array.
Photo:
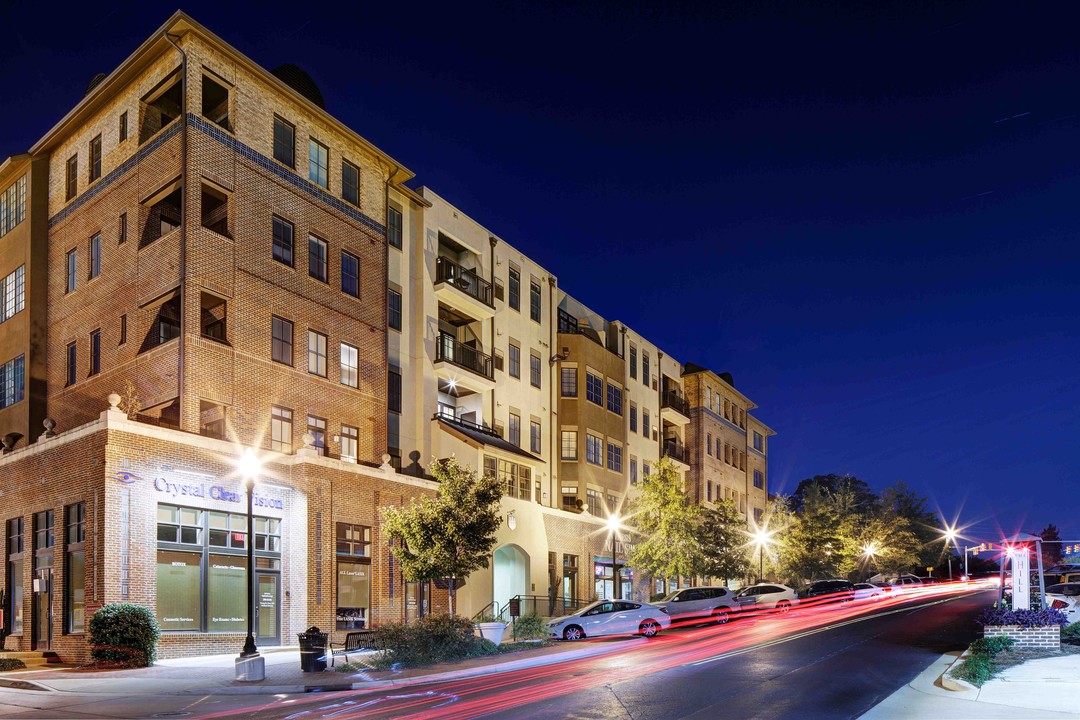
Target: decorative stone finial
[{"x": 114, "y": 401}]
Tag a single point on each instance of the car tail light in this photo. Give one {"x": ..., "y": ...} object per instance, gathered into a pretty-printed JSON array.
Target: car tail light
[{"x": 1058, "y": 605}]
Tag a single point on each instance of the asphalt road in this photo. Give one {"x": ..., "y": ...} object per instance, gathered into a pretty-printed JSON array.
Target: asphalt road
[{"x": 834, "y": 662}]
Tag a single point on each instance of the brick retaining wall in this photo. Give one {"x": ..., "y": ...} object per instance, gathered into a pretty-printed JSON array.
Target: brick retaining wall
[{"x": 1038, "y": 638}]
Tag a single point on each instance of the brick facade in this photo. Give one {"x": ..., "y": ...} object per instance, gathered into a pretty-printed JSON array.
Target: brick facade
[{"x": 1036, "y": 638}]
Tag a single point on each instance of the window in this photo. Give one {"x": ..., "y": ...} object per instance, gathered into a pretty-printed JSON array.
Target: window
[
  {"x": 514, "y": 430},
  {"x": 72, "y": 269},
  {"x": 393, "y": 309},
  {"x": 350, "y": 274},
  {"x": 211, "y": 420},
  {"x": 633, "y": 417},
  {"x": 708, "y": 397},
  {"x": 72, "y": 184},
  {"x": 568, "y": 381},
  {"x": 281, "y": 429},
  {"x": 645, "y": 367},
  {"x": 317, "y": 258},
  {"x": 215, "y": 210},
  {"x": 95, "y": 352},
  {"x": 393, "y": 227},
  {"x": 350, "y": 441},
  {"x": 614, "y": 457},
  {"x": 163, "y": 217},
  {"x": 350, "y": 365},
  {"x": 594, "y": 389},
  {"x": 123, "y": 329},
  {"x": 160, "y": 107},
  {"x": 708, "y": 444},
  {"x": 568, "y": 444},
  {"x": 353, "y": 540},
  {"x": 281, "y": 342},
  {"x": 95, "y": 158},
  {"x": 633, "y": 471},
  {"x": 316, "y": 353},
  {"x": 316, "y": 427},
  {"x": 284, "y": 142},
  {"x": 95, "y": 256},
  {"x": 215, "y": 102},
  {"x": 212, "y": 317},
  {"x": 570, "y": 500},
  {"x": 614, "y": 399},
  {"x": 645, "y": 472},
  {"x": 516, "y": 479},
  {"x": 594, "y": 501},
  {"x": 645, "y": 421},
  {"x": 75, "y": 569},
  {"x": 594, "y": 450},
  {"x": 12, "y": 381},
  {"x": 759, "y": 479},
  {"x": 514, "y": 290},
  {"x": 167, "y": 322},
  {"x": 123, "y": 127},
  {"x": 515, "y": 360},
  {"x": 534, "y": 370},
  {"x": 534, "y": 436},
  {"x": 708, "y": 491},
  {"x": 350, "y": 183},
  {"x": 122, "y": 229},
  {"x": 12, "y": 206},
  {"x": 353, "y": 544},
  {"x": 13, "y": 294},
  {"x": 13, "y": 610},
  {"x": 283, "y": 241},
  {"x": 534, "y": 301},
  {"x": 72, "y": 364},
  {"x": 758, "y": 512},
  {"x": 633, "y": 361},
  {"x": 318, "y": 163},
  {"x": 759, "y": 442},
  {"x": 393, "y": 399}
]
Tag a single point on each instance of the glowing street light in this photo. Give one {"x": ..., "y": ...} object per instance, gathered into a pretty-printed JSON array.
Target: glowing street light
[
  {"x": 614, "y": 525},
  {"x": 762, "y": 538},
  {"x": 950, "y": 539},
  {"x": 250, "y": 666}
]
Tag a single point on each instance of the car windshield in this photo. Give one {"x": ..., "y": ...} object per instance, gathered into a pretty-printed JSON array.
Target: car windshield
[{"x": 669, "y": 596}]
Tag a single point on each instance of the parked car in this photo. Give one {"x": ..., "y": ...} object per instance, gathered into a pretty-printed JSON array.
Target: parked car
[
  {"x": 869, "y": 591},
  {"x": 1066, "y": 598},
  {"x": 700, "y": 603},
  {"x": 828, "y": 590},
  {"x": 1068, "y": 577},
  {"x": 1057, "y": 570},
  {"x": 769, "y": 596},
  {"x": 610, "y": 617},
  {"x": 930, "y": 580},
  {"x": 906, "y": 581}
]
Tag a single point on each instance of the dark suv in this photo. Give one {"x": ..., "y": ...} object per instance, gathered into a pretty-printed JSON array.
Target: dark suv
[{"x": 828, "y": 591}]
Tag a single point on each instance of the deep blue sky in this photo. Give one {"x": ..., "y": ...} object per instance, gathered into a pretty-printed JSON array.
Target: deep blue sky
[{"x": 867, "y": 211}]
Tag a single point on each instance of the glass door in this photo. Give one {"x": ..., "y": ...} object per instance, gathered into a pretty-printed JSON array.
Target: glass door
[
  {"x": 267, "y": 608},
  {"x": 42, "y": 633}
]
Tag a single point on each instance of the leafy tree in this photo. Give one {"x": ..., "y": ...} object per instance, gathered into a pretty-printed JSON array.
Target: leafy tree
[
  {"x": 925, "y": 524},
  {"x": 861, "y": 496},
  {"x": 450, "y": 535},
  {"x": 667, "y": 521},
  {"x": 1051, "y": 547},
  {"x": 811, "y": 543},
  {"x": 722, "y": 549}
]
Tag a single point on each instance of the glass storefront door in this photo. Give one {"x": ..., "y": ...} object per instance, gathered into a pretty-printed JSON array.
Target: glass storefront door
[
  {"x": 267, "y": 608},
  {"x": 43, "y": 609}
]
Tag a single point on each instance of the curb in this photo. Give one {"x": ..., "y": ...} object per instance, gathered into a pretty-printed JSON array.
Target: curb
[{"x": 954, "y": 683}]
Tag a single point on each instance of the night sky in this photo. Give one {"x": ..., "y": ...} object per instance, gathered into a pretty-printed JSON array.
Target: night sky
[{"x": 866, "y": 212}]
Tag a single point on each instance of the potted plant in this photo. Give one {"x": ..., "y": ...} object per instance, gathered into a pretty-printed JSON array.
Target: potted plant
[{"x": 491, "y": 628}]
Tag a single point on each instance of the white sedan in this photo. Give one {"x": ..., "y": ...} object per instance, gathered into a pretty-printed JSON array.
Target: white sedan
[
  {"x": 610, "y": 617},
  {"x": 1066, "y": 598},
  {"x": 869, "y": 591},
  {"x": 769, "y": 596}
]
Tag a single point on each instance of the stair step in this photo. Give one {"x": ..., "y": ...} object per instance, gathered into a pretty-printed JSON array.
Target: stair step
[{"x": 33, "y": 658}]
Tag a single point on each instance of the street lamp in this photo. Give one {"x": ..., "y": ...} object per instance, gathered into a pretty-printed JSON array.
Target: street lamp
[
  {"x": 869, "y": 550},
  {"x": 950, "y": 538},
  {"x": 614, "y": 524},
  {"x": 762, "y": 538},
  {"x": 250, "y": 666}
]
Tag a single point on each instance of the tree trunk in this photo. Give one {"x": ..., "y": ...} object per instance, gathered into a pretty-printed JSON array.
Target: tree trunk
[{"x": 452, "y": 594}]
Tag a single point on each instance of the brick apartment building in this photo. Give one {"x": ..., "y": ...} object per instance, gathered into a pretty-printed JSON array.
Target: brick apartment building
[{"x": 201, "y": 237}]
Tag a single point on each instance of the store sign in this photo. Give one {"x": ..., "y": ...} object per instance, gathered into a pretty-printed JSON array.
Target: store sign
[{"x": 214, "y": 492}]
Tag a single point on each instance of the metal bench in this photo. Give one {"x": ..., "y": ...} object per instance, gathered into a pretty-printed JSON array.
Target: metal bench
[{"x": 355, "y": 641}]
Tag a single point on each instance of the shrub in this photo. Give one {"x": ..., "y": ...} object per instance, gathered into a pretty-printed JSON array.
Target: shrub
[
  {"x": 530, "y": 627},
  {"x": 1023, "y": 618},
  {"x": 124, "y": 634},
  {"x": 975, "y": 669},
  {"x": 1071, "y": 633},
  {"x": 992, "y": 645},
  {"x": 432, "y": 639},
  {"x": 11, "y": 664}
]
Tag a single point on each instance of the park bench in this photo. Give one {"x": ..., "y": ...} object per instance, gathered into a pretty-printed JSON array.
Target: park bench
[{"x": 355, "y": 641}]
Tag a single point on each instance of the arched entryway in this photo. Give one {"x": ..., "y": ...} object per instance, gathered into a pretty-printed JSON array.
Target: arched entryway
[{"x": 510, "y": 576}]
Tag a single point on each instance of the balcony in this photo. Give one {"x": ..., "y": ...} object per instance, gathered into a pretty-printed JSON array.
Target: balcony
[
  {"x": 463, "y": 290},
  {"x": 677, "y": 452},
  {"x": 674, "y": 408},
  {"x": 451, "y": 357}
]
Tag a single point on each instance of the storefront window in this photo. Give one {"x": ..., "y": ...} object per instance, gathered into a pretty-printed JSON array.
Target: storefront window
[
  {"x": 227, "y": 530},
  {"x": 75, "y": 569},
  {"x": 226, "y": 606},
  {"x": 353, "y": 595},
  {"x": 13, "y": 613},
  {"x": 179, "y": 589},
  {"x": 179, "y": 525}
]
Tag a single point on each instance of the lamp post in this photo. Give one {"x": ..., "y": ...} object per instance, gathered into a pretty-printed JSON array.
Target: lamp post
[
  {"x": 950, "y": 538},
  {"x": 614, "y": 523},
  {"x": 762, "y": 538},
  {"x": 250, "y": 666},
  {"x": 869, "y": 551}
]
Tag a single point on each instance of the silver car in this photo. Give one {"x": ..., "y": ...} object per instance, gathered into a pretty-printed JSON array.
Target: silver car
[
  {"x": 610, "y": 617},
  {"x": 700, "y": 603},
  {"x": 1066, "y": 598},
  {"x": 768, "y": 596}
]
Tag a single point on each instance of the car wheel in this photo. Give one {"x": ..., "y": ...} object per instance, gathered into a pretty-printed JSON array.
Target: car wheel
[
  {"x": 572, "y": 633},
  {"x": 649, "y": 628},
  {"x": 783, "y": 606},
  {"x": 720, "y": 616}
]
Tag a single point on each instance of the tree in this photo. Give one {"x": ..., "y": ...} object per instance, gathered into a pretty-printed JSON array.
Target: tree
[
  {"x": 861, "y": 494},
  {"x": 722, "y": 548},
  {"x": 667, "y": 521},
  {"x": 451, "y": 534},
  {"x": 1051, "y": 546},
  {"x": 924, "y": 524},
  {"x": 810, "y": 544}
]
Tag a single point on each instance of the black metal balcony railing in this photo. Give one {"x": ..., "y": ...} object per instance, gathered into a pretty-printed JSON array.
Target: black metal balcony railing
[
  {"x": 464, "y": 356},
  {"x": 676, "y": 451},
  {"x": 676, "y": 402},
  {"x": 448, "y": 271}
]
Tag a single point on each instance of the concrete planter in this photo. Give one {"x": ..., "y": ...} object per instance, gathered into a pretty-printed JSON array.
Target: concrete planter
[
  {"x": 1036, "y": 638},
  {"x": 492, "y": 631}
]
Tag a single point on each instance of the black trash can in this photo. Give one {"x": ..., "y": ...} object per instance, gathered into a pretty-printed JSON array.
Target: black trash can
[{"x": 312, "y": 650}]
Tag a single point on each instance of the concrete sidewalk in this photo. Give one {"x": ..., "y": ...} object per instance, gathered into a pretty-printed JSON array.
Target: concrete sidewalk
[
  {"x": 214, "y": 674},
  {"x": 1046, "y": 688}
]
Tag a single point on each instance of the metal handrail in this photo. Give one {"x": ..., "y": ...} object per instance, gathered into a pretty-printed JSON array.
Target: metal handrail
[
  {"x": 493, "y": 606},
  {"x": 675, "y": 451},
  {"x": 448, "y": 271},
  {"x": 676, "y": 402},
  {"x": 449, "y": 349}
]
